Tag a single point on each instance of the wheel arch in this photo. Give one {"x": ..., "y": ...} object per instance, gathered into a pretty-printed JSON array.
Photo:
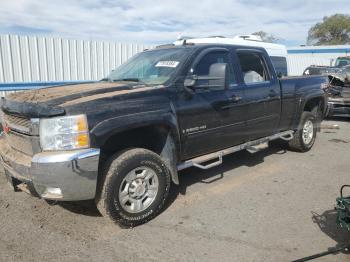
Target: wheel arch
[
  {"x": 312, "y": 102},
  {"x": 159, "y": 136},
  {"x": 308, "y": 104}
]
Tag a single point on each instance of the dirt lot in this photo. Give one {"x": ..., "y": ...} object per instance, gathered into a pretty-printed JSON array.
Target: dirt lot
[{"x": 275, "y": 205}]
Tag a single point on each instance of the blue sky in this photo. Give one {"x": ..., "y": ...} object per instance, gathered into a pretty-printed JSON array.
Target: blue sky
[{"x": 154, "y": 22}]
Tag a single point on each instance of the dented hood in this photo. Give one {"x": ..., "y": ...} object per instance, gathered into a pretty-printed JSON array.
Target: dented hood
[{"x": 52, "y": 101}]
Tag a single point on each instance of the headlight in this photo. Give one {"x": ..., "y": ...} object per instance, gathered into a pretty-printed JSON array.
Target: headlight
[{"x": 64, "y": 133}]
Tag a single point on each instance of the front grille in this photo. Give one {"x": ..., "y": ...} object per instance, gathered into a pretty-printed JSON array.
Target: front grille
[
  {"x": 18, "y": 123},
  {"x": 19, "y": 142},
  {"x": 21, "y": 133}
]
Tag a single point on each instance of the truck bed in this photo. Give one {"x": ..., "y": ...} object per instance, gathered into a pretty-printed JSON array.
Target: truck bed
[{"x": 296, "y": 88}]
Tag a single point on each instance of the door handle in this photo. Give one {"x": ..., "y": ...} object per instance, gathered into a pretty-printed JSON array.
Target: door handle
[
  {"x": 231, "y": 102},
  {"x": 235, "y": 99}
]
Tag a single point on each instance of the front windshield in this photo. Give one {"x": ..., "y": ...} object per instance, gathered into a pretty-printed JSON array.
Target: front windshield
[{"x": 151, "y": 67}]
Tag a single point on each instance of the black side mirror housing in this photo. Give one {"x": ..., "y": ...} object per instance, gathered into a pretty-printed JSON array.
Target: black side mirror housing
[
  {"x": 189, "y": 85},
  {"x": 190, "y": 82},
  {"x": 218, "y": 75},
  {"x": 216, "y": 79}
]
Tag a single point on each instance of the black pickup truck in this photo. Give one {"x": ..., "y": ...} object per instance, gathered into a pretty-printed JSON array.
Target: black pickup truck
[{"x": 122, "y": 141}]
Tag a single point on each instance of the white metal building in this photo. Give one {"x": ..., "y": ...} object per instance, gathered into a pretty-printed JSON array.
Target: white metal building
[
  {"x": 301, "y": 57},
  {"x": 35, "y": 59},
  {"x": 28, "y": 62}
]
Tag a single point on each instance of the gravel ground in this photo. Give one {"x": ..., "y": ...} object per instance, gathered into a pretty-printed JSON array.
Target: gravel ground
[{"x": 274, "y": 205}]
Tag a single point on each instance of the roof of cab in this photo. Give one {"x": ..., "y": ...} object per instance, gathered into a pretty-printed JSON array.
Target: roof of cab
[
  {"x": 272, "y": 49},
  {"x": 206, "y": 45}
]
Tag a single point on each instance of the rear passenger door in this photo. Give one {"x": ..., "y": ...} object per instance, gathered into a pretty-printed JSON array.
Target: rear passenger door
[{"x": 262, "y": 93}]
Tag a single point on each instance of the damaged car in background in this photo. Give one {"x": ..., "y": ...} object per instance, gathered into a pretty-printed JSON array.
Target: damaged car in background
[
  {"x": 338, "y": 91},
  {"x": 320, "y": 70}
]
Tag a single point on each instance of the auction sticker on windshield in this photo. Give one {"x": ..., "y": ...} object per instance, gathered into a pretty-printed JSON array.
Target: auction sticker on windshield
[{"x": 167, "y": 64}]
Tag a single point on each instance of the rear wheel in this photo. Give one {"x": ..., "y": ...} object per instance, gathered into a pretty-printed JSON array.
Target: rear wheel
[
  {"x": 134, "y": 188},
  {"x": 305, "y": 136}
]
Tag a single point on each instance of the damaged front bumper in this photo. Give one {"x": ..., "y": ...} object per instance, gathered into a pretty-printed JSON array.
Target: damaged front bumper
[{"x": 64, "y": 176}]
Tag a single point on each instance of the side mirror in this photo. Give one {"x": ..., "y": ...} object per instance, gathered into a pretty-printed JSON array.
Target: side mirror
[
  {"x": 189, "y": 85},
  {"x": 190, "y": 82},
  {"x": 218, "y": 75},
  {"x": 216, "y": 79}
]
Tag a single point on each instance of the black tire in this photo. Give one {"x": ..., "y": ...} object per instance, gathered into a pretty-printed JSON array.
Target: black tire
[
  {"x": 115, "y": 170},
  {"x": 298, "y": 142}
]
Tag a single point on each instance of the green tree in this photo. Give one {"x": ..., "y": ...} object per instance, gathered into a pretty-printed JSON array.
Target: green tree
[
  {"x": 266, "y": 37},
  {"x": 333, "y": 30}
]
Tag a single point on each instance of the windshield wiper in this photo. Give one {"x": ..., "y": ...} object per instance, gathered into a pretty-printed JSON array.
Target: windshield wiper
[
  {"x": 121, "y": 79},
  {"x": 131, "y": 79}
]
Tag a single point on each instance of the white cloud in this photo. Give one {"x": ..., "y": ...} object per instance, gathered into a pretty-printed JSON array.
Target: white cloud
[{"x": 152, "y": 21}]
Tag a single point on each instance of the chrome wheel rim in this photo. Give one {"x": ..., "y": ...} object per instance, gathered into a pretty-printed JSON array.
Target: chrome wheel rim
[
  {"x": 138, "y": 189},
  {"x": 308, "y": 132}
]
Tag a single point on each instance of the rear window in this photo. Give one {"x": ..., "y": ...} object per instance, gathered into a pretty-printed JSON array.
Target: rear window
[
  {"x": 342, "y": 62},
  {"x": 280, "y": 65},
  {"x": 253, "y": 67},
  {"x": 313, "y": 71}
]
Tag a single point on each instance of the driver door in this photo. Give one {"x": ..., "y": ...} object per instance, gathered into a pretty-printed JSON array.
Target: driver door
[{"x": 211, "y": 119}]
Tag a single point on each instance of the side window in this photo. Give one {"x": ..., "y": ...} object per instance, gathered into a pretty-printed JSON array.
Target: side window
[
  {"x": 280, "y": 65},
  {"x": 202, "y": 67},
  {"x": 253, "y": 67}
]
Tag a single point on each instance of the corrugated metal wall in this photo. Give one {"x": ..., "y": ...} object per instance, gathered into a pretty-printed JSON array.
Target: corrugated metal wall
[
  {"x": 28, "y": 59},
  {"x": 298, "y": 62},
  {"x": 35, "y": 59}
]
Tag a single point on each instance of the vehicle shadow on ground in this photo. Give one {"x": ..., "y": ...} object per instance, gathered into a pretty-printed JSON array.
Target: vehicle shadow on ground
[
  {"x": 193, "y": 175},
  {"x": 86, "y": 208},
  {"x": 327, "y": 223},
  {"x": 338, "y": 118}
]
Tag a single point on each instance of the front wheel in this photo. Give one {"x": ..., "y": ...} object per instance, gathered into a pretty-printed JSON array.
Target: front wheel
[
  {"x": 134, "y": 187},
  {"x": 305, "y": 136}
]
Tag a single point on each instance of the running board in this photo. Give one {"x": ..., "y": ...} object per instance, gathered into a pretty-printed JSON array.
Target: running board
[
  {"x": 257, "y": 148},
  {"x": 251, "y": 146}
]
